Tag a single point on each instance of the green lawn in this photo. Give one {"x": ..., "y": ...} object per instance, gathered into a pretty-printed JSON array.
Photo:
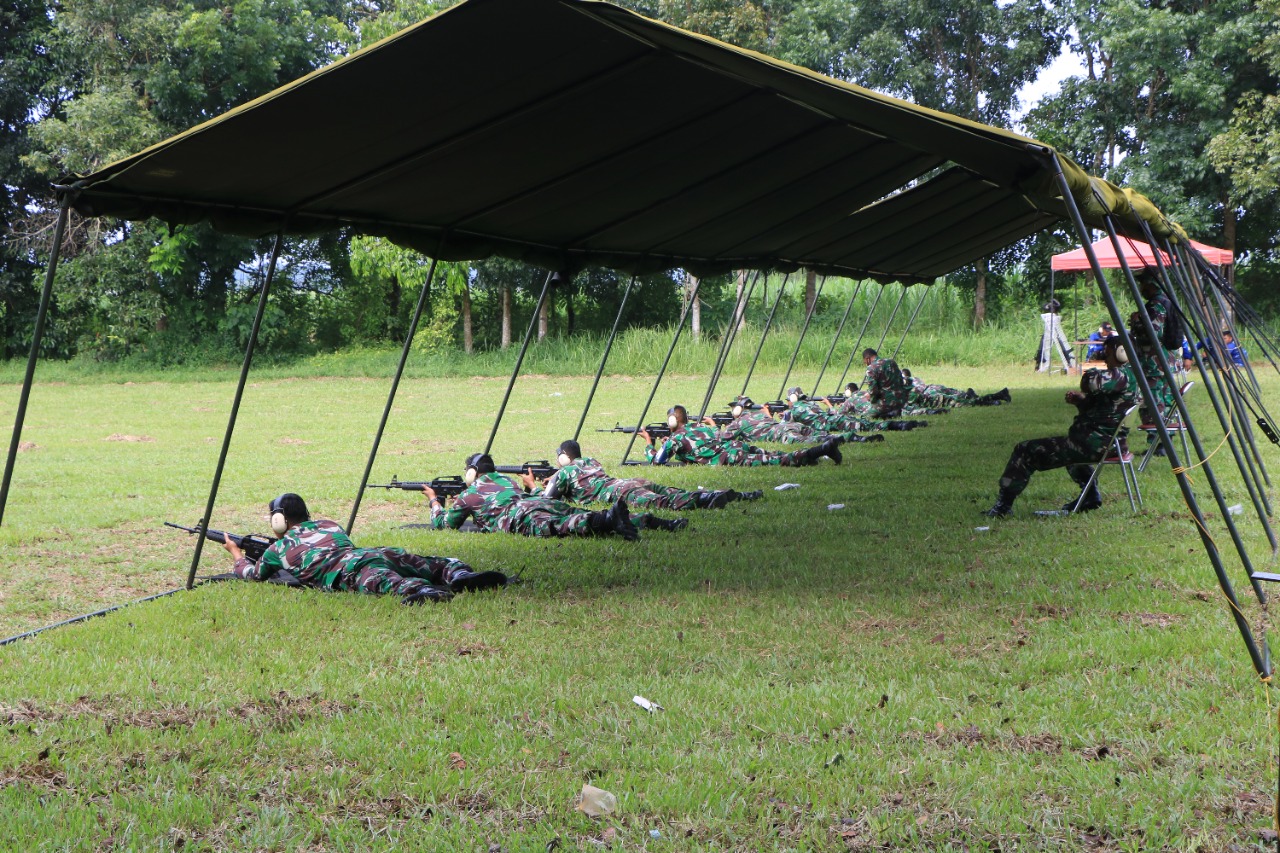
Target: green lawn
[{"x": 882, "y": 676}]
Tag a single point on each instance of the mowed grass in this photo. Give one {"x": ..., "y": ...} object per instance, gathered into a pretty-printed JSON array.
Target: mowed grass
[{"x": 881, "y": 676}]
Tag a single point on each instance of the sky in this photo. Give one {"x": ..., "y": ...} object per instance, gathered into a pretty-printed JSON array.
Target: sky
[{"x": 1066, "y": 65}]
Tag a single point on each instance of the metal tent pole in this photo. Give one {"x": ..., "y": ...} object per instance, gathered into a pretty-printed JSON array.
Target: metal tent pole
[
  {"x": 675, "y": 339},
  {"x": 911, "y": 321},
  {"x": 235, "y": 403},
  {"x": 1180, "y": 405},
  {"x": 391, "y": 394},
  {"x": 524, "y": 347},
  {"x": 37, "y": 334},
  {"x": 835, "y": 339},
  {"x": 730, "y": 335},
  {"x": 768, "y": 324},
  {"x": 892, "y": 314},
  {"x": 1211, "y": 548},
  {"x": 608, "y": 347},
  {"x": 1211, "y": 377},
  {"x": 804, "y": 330},
  {"x": 871, "y": 313}
]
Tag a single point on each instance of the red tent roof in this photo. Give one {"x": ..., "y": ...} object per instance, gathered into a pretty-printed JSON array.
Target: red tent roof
[{"x": 1136, "y": 254}]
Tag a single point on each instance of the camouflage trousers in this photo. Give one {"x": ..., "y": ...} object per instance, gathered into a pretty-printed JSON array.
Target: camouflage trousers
[
  {"x": 790, "y": 433},
  {"x": 751, "y": 457},
  {"x": 877, "y": 411},
  {"x": 389, "y": 570},
  {"x": 1159, "y": 389},
  {"x": 644, "y": 494},
  {"x": 1045, "y": 454},
  {"x": 542, "y": 517}
]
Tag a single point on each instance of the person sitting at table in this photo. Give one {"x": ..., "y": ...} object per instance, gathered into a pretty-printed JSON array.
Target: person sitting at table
[{"x": 1094, "y": 353}]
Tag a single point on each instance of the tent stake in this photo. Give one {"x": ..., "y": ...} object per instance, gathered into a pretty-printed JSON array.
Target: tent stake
[
  {"x": 524, "y": 347},
  {"x": 804, "y": 330},
  {"x": 817, "y": 382},
  {"x": 675, "y": 339},
  {"x": 391, "y": 394},
  {"x": 768, "y": 324},
  {"x": 24, "y": 394},
  {"x": 235, "y": 403},
  {"x": 605, "y": 358}
]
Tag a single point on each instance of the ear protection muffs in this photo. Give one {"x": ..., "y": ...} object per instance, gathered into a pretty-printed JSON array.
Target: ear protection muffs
[
  {"x": 279, "y": 523},
  {"x": 477, "y": 464}
]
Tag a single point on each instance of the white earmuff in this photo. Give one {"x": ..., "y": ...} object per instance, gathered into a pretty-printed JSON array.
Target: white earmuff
[
  {"x": 564, "y": 460},
  {"x": 737, "y": 411},
  {"x": 673, "y": 421},
  {"x": 469, "y": 476},
  {"x": 279, "y": 524},
  {"x": 794, "y": 398}
]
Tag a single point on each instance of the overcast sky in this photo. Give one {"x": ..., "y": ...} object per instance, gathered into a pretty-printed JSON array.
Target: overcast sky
[{"x": 1066, "y": 65}]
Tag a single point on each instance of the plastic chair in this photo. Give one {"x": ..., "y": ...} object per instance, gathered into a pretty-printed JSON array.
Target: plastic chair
[
  {"x": 1152, "y": 431},
  {"x": 1117, "y": 454}
]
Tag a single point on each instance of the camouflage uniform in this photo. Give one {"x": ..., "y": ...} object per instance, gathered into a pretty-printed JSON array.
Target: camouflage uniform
[
  {"x": 925, "y": 396},
  {"x": 320, "y": 554},
  {"x": 585, "y": 481},
  {"x": 885, "y": 388},
  {"x": 698, "y": 445},
  {"x": 1108, "y": 394},
  {"x": 757, "y": 426},
  {"x": 1152, "y": 356},
  {"x": 495, "y": 502},
  {"x": 846, "y": 419}
]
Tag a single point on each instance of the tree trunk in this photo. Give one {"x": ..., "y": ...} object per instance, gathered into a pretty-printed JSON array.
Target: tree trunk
[
  {"x": 506, "y": 316},
  {"x": 568, "y": 313},
  {"x": 544, "y": 316},
  {"x": 980, "y": 296},
  {"x": 394, "y": 329},
  {"x": 739, "y": 307},
  {"x": 695, "y": 309},
  {"x": 467, "y": 340},
  {"x": 810, "y": 290},
  {"x": 1229, "y": 232}
]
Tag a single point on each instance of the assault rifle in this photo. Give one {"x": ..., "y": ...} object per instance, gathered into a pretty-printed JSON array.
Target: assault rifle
[
  {"x": 447, "y": 486},
  {"x": 253, "y": 545},
  {"x": 660, "y": 430},
  {"x": 774, "y": 406},
  {"x": 542, "y": 469}
]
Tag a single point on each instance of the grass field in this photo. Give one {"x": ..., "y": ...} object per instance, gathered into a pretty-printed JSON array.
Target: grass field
[{"x": 882, "y": 676}]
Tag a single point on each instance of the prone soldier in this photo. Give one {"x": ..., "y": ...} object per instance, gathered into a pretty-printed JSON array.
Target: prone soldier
[
  {"x": 700, "y": 445},
  {"x": 320, "y": 554}
]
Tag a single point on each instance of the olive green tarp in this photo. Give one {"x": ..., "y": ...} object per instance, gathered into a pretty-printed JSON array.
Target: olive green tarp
[{"x": 570, "y": 133}]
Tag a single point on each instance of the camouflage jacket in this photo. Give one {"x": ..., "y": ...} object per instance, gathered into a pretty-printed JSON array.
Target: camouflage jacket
[
  {"x": 310, "y": 551},
  {"x": 485, "y": 500},
  {"x": 582, "y": 481},
  {"x": 688, "y": 444},
  {"x": 885, "y": 384},
  {"x": 1107, "y": 395}
]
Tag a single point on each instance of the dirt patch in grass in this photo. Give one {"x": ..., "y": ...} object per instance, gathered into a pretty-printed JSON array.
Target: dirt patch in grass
[
  {"x": 279, "y": 710},
  {"x": 115, "y": 436},
  {"x": 1042, "y": 743},
  {"x": 1149, "y": 620},
  {"x": 24, "y": 446}
]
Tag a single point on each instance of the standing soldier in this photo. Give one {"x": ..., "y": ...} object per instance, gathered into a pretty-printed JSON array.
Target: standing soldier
[
  {"x": 584, "y": 480},
  {"x": 699, "y": 445},
  {"x": 1103, "y": 398},
  {"x": 320, "y": 554}
]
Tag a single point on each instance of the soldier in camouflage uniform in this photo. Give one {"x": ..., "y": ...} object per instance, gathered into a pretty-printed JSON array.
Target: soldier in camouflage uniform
[
  {"x": 924, "y": 396},
  {"x": 884, "y": 386},
  {"x": 760, "y": 425},
  {"x": 699, "y": 445},
  {"x": 584, "y": 480},
  {"x": 320, "y": 554},
  {"x": 844, "y": 419},
  {"x": 497, "y": 502},
  {"x": 1151, "y": 355},
  {"x": 1103, "y": 398}
]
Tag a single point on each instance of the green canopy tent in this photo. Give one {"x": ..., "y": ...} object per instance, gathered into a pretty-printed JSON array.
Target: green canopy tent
[{"x": 569, "y": 133}]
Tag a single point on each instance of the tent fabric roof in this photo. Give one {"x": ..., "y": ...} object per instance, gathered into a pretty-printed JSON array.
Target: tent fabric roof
[
  {"x": 570, "y": 133},
  {"x": 1136, "y": 254}
]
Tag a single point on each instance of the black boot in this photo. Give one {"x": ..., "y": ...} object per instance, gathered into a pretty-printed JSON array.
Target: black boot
[
  {"x": 469, "y": 581},
  {"x": 427, "y": 595},
  {"x": 831, "y": 448},
  {"x": 714, "y": 500},
  {"x": 671, "y": 525},
  {"x": 1000, "y": 509},
  {"x": 1003, "y": 394},
  {"x": 749, "y": 496},
  {"x": 862, "y": 438},
  {"x": 989, "y": 400},
  {"x": 1092, "y": 500},
  {"x": 620, "y": 521}
]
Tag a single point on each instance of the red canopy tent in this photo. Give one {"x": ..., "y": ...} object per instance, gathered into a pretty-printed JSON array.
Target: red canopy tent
[{"x": 1136, "y": 254}]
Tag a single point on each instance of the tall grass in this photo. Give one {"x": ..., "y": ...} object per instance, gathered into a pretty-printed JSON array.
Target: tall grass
[{"x": 942, "y": 334}]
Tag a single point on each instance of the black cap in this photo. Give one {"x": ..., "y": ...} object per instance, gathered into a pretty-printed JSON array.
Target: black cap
[{"x": 1106, "y": 326}]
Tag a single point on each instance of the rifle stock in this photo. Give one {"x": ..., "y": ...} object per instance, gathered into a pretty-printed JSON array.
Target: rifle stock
[{"x": 446, "y": 486}]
